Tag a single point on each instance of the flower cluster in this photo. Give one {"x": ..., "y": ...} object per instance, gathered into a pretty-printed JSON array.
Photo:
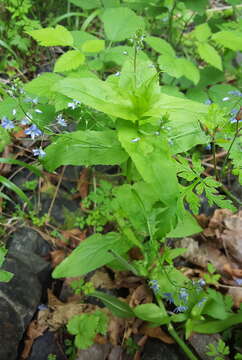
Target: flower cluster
[
  {"x": 154, "y": 285},
  {"x": 74, "y": 104}
]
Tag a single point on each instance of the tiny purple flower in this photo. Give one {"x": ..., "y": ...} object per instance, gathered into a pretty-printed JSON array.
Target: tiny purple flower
[
  {"x": 39, "y": 152},
  {"x": 168, "y": 297},
  {"x": 180, "y": 308},
  {"x": 7, "y": 124},
  {"x": 33, "y": 131}
]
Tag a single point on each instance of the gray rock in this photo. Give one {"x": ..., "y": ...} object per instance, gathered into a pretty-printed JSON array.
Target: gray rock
[
  {"x": 18, "y": 302},
  {"x": 157, "y": 350},
  {"x": 28, "y": 240},
  {"x": 95, "y": 352},
  {"x": 46, "y": 345},
  {"x": 200, "y": 344}
]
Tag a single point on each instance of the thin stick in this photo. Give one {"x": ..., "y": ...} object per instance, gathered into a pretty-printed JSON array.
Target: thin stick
[{"x": 56, "y": 191}]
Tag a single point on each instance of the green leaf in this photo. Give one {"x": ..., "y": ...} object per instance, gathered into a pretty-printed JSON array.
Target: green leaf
[
  {"x": 229, "y": 39},
  {"x": 119, "y": 308},
  {"x": 189, "y": 70},
  {"x": 169, "y": 64},
  {"x": 32, "y": 168},
  {"x": 186, "y": 226},
  {"x": 197, "y": 6},
  {"x": 4, "y": 138},
  {"x": 93, "y": 46},
  {"x": 87, "y": 4},
  {"x": 97, "y": 94},
  {"x": 69, "y": 61},
  {"x": 210, "y": 55},
  {"x": 216, "y": 326},
  {"x": 5, "y": 276},
  {"x": 91, "y": 254},
  {"x": 202, "y": 32},
  {"x": 10, "y": 185},
  {"x": 84, "y": 148},
  {"x": 42, "y": 85},
  {"x": 58, "y": 36},
  {"x": 160, "y": 45},
  {"x": 80, "y": 37},
  {"x": 121, "y": 23},
  {"x": 151, "y": 313}
]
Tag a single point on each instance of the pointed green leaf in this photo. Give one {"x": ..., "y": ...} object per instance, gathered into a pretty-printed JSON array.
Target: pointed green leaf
[
  {"x": 93, "y": 46},
  {"x": 210, "y": 55},
  {"x": 58, "y": 36},
  {"x": 202, "y": 32},
  {"x": 160, "y": 45},
  {"x": 119, "y": 308},
  {"x": 151, "y": 313},
  {"x": 229, "y": 39},
  {"x": 189, "y": 70},
  {"x": 69, "y": 61}
]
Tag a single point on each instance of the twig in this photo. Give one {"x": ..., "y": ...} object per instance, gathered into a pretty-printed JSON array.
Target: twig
[{"x": 56, "y": 191}]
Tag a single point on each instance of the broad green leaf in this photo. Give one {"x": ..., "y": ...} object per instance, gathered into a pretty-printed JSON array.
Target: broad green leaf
[
  {"x": 97, "y": 94},
  {"x": 119, "y": 54},
  {"x": 87, "y": 4},
  {"x": 58, "y": 36},
  {"x": 160, "y": 45},
  {"x": 42, "y": 85},
  {"x": 197, "y": 6},
  {"x": 4, "y": 138},
  {"x": 93, "y": 46},
  {"x": 186, "y": 226},
  {"x": 117, "y": 307},
  {"x": 5, "y": 276},
  {"x": 216, "y": 326},
  {"x": 202, "y": 32},
  {"x": 189, "y": 70},
  {"x": 210, "y": 55},
  {"x": 91, "y": 254},
  {"x": 229, "y": 39},
  {"x": 168, "y": 63},
  {"x": 152, "y": 159},
  {"x": 151, "y": 313},
  {"x": 80, "y": 37},
  {"x": 84, "y": 148},
  {"x": 71, "y": 60},
  {"x": 121, "y": 23}
]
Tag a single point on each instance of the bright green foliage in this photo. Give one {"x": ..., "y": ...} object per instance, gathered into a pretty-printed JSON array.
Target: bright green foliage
[
  {"x": 152, "y": 313},
  {"x": 121, "y": 23},
  {"x": 218, "y": 351},
  {"x": 160, "y": 45},
  {"x": 4, "y": 138},
  {"x": 229, "y": 39},
  {"x": 202, "y": 32},
  {"x": 87, "y": 4},
  {"x": 93, "y": 46},
  {"x": 58, "y": 36},
  {"x": 91, "y": 254},
  {"x": 210, "y": 55},
  {"x": 86, "y": 326},
  {"x": 71, "y": 60},
  {"x": 119, "y": 308}
]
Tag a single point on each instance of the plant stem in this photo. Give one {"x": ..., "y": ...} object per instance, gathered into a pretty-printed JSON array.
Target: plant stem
[
  {"x": 181, "y": 343},
  {"x": 170, "y": 23},
  {"x": 230, "y": 195},
  {"x": 214, "y": 157}
]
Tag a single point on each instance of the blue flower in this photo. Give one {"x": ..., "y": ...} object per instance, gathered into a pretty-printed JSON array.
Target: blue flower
[
  {"x": 7, "y": 124},
  {"x": 39, "y": 152},
  {"x": 180, "y": 308},
  {"x": 207, "y": 102},
  {"x": 201, "y": 282},
  {"x": 202, "y": 301},
  {"x": 235, "y": 92},
  {"x": 154, "y": 285},
  {"x": 38, "y": 111},
  {"x": 208, "y": 147},
  {"x": 33, "y": 131},
  {"x": 238, "y": 281},
  {"x": 135, "y": 140},
  {"x": 183, "y": 295},
  {"x": 61, "y": 121},
  {"x": 226, "y": 98},
  {"x": 74, "y": 104},
  {"x": 168, "y": 297},
  {"x": 117, "y": 73}
]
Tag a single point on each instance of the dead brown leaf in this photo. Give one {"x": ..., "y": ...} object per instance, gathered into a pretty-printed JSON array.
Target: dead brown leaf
[
  {"x": 236, "y": 294},
  {"x": 141, "y": 295},
  {"x": 57, "y": 256},
  {"x": 157, "y": 333},
  {"x": 83, "y": 183},
  {"x": 101, "y": 279},
  {"x": 232, "y": 237},
  {"x": 115, "y": 329}
]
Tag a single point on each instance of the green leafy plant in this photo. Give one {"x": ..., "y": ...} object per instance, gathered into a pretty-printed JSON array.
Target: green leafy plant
[{"x": 5, "y": 276}]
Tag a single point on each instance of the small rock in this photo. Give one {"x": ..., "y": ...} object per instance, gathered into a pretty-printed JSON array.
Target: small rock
[
  {"x": 157, "y": 350},
  {"x": 200, "y": 344},
  {"x": 95, "y": 352},
  {"x": 46, "y": 345}
]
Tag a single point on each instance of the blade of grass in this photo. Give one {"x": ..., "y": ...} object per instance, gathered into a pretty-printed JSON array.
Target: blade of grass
[
  {"x": 10, "y": 185},
  {"x": 32, "y": 168}
]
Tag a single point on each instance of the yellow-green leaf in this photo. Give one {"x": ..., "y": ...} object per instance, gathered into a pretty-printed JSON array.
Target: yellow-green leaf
[
  {"x": 69, "y": 61},
  {"x": 58, "y": 36},
  {"x": 210, "y": 55},
  {"x": 93, "y": 46}
]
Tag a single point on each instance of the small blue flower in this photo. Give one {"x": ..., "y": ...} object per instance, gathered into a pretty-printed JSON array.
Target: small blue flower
[
  {"x": 226, "y": 98},
  {"x": 202, "y": 301},
  {"x": 135, "y": 140},
  {"x": 38, "y": 111},
  {"x": 201, "y": 282},
  {"x": 183, "y": 295},
  {"x": 238, "y": 281},
  {"x": 74, "y": 104},
  {"x": 235, "y": 92},
  {"x": 14, "y": 112},
  {"x": 33, "y": 131},
  {"x": 154, "y": 285},
  {"x": 61, "y": 121},
  {"x": 208, "y": 147},
  {"x": 168, "y": 297},
  {"x": 207, "y": 102},
  {"x": 39, "y": 152},
  {"x": 118, "y": 73},
  {"x": 181, "y": 308},
  {"x": 7, "y": 124}
]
